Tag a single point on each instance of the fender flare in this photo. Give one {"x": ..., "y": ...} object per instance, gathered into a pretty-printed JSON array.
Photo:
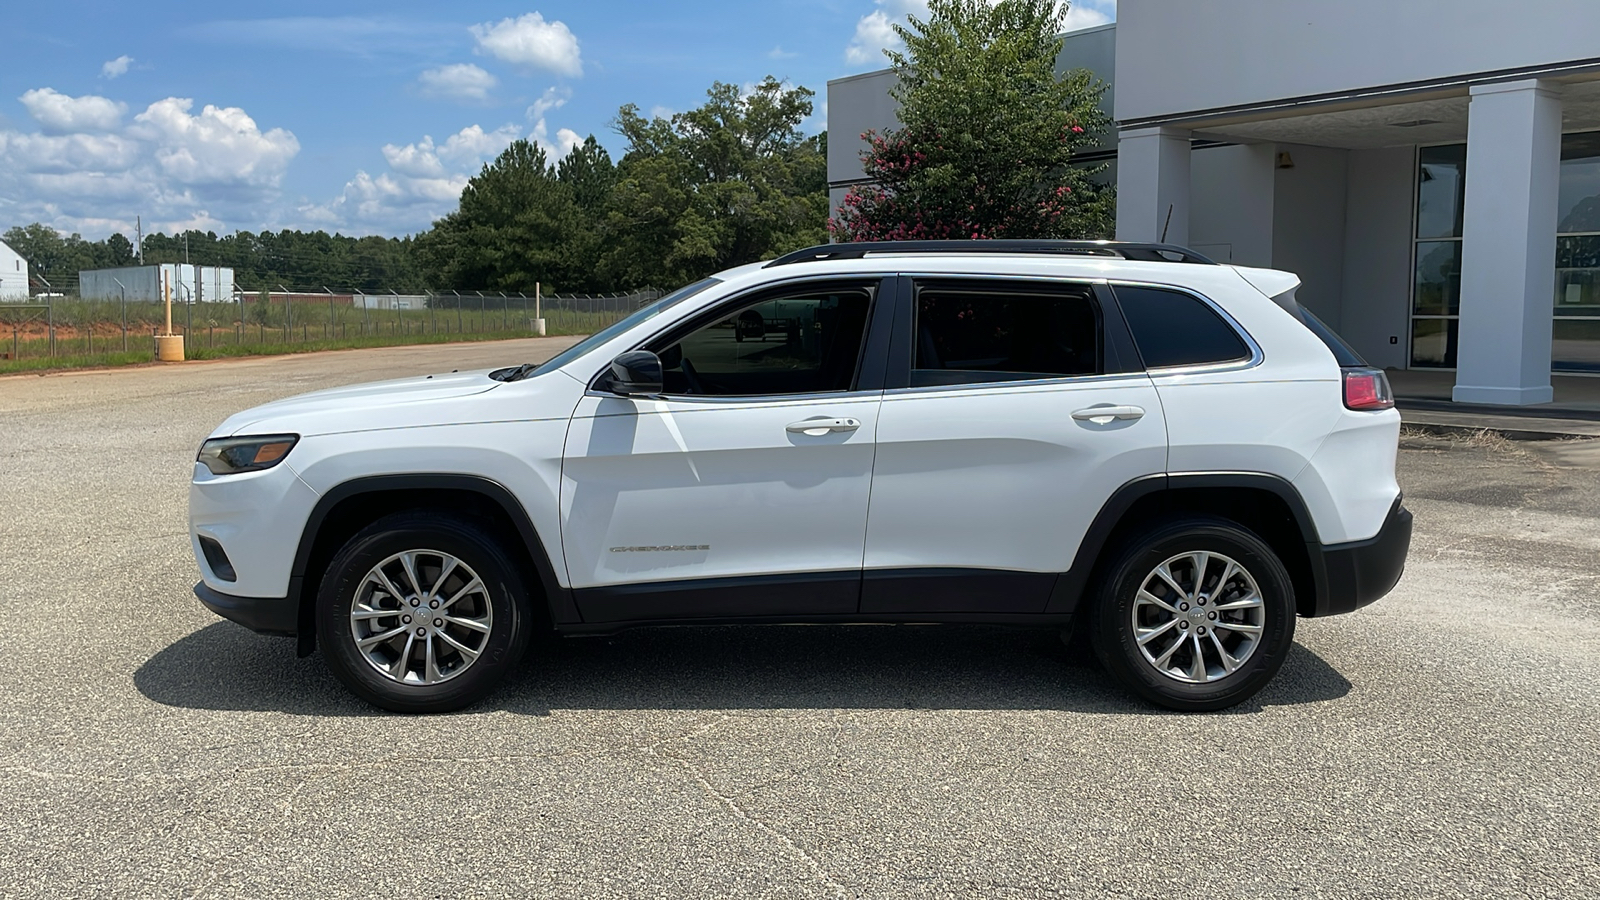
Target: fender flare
[
  {"x": 1071, "y": 584},
  {"x": 559, "y": 599}
]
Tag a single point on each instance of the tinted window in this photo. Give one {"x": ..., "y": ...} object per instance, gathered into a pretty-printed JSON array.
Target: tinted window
[
  {"x": 975, "y": 331},
  {"x": 1175, "y": 329},
  {"x": 799, "y": 343}
]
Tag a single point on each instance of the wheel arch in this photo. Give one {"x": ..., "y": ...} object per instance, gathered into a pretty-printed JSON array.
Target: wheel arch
[
  {"x": 352, "y": 505},
  {"x": 1266, "y": 505}
]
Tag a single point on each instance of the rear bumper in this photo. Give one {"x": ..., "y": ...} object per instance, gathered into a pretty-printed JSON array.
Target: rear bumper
[
  {"x": 1355, "y": 574},
  {"x": 267, "y": 615}
]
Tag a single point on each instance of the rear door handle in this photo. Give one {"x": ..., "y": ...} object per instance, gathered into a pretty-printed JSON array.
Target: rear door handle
[
  {"x": 819, "y": 427},
  {"x": 1105, "y": 415}
]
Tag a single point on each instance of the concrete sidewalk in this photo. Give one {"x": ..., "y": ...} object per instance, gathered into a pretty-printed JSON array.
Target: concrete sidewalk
[{"x": 1423, "y": 398}]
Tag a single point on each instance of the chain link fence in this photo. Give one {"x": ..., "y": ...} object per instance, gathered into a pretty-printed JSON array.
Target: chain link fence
[{"x": 84, "y": 330}]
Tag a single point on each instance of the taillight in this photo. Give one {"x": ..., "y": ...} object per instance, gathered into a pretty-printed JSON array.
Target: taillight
[{"x": 1367, "y": 389}]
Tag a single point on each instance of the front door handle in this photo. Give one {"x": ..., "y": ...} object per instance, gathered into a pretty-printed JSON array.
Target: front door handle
[
  {"x": 1105, "y": 415},
  {"x": 819, "y": 427}
]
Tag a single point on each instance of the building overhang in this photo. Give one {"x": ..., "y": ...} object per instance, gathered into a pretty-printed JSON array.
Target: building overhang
[{"x": 1388, "y": 116}]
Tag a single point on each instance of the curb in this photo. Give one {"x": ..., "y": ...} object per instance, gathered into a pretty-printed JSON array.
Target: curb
[{"x": 1512, "y": 428}]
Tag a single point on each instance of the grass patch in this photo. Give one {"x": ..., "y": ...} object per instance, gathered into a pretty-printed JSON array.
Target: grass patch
[{"x": 249, "y": 348}]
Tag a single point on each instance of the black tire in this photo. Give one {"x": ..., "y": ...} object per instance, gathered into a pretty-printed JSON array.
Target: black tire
[
  {"x": 503, "y": 600},
  {"x": 1113, "y": 611}
]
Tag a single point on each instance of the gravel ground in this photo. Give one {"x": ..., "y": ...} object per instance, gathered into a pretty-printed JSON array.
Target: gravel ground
[{"x": 1440, "y": 743}]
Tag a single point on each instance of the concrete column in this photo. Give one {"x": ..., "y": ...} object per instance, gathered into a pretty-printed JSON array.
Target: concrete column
[
  {"x": 1153, "y": 184},
  {"x": 1508, "y": 252}
]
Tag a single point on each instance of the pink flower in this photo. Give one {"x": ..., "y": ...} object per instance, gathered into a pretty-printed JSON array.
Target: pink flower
[{"x": 1077, "y": 129}]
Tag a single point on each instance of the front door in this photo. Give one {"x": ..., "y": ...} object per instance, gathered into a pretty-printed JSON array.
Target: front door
[
  {"x": 742, "y": 490},
  {"x": 1023, "y": 410}
]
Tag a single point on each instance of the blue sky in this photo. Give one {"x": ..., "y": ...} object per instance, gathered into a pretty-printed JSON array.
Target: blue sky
[{"x": 366, "y": 117}]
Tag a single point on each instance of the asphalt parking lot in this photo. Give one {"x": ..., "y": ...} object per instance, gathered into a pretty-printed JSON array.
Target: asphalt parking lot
[{"x": 1440, "y": 743}]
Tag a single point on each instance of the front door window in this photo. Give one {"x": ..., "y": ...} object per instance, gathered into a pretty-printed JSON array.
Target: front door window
[{"x": 805, "y": 342}]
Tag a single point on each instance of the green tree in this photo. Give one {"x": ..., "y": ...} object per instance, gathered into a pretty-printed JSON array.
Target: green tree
[
  {"x": 987, "y": 132},
  {"x": 730, "y": 182},
  {"x": 511, "y": 229},
  {"x": 119, "y": 251}
]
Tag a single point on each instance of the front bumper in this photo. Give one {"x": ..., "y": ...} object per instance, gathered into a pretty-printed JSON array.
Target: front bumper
[
  {"x": 267, "y": 615},
  {"x": 1355, "y": 574}
]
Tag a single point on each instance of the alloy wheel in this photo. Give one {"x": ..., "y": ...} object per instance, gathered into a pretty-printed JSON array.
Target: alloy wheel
[
  {"x": 421, "y": 617},
  {"x": 1198, "y": 617}
]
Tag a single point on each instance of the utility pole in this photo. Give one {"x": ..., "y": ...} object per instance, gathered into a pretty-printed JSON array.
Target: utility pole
[{"x": 138, "y": 229}]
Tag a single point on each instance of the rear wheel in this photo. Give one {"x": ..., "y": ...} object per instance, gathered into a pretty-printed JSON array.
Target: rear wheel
[
  {"x": 422, "y": 613},
  {"x": 1194, "y": 615}
]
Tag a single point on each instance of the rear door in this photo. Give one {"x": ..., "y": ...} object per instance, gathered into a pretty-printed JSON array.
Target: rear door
[
  {"x": 1015, "y": 408},
  {"x": 742, "y": 490}
]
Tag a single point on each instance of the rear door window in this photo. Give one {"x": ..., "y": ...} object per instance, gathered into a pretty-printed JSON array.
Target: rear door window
[{"x": 975, "y": 331}]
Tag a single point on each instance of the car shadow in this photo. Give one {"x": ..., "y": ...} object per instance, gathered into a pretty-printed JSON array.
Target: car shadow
[{"x": 225, "y": 667}]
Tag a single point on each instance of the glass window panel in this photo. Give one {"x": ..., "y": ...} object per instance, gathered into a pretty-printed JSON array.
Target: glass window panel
[
  {"x": 973, "y": 332},
  {"x": 1579, "y": 203},
  {"x": 1576, "y": 345},
  {"x": 1174, "y": 329},
  {"x": 1433, "y": 342},
  {"x": 1438, "y": 290},
  {"x": 1577, "y": 276},
  {"x": 1441, "y": 188},
  {"x": 799, "y": 344}
]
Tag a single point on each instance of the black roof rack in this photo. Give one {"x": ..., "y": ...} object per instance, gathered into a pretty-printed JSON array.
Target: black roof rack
[{"x": 1130, "y": 250}]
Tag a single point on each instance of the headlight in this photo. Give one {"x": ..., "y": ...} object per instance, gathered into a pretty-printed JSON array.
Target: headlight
[{"x": 225, "y": 456}]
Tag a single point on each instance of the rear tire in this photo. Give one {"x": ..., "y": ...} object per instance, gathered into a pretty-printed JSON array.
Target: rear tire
[
  {"x": 423, "y": 613},
  {"x": 1186, "y": 643}
]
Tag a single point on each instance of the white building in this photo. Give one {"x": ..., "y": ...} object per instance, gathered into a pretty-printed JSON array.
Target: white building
[
  {"x": 13, "y": 274},
  {"x": 1431, "y": 169}
]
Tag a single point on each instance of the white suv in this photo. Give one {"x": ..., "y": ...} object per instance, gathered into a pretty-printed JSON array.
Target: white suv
[{"x": 1168, "y": 452}]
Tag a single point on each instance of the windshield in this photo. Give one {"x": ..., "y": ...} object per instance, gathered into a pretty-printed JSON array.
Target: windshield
[{"x": 643, "y": 313}]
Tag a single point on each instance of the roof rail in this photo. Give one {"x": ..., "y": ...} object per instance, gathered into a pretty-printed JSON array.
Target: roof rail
[{"x": 1130, "y": 250}]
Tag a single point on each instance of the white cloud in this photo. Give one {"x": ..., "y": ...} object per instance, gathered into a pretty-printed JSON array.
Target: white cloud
[
  {"x": 86, "y": 171},
  {"x": 116, "y": 68},
  {"x": 531, "y": 42},
  {"x": 1089, "y": 13},
  {"x": 222, "y": 145},
  {"x": 779, "y": 53},
  {"x": 58, "y": 113},
  {"x": 460, "y": 81},
  {"x": 472, "y": 144},
  {"x": 875, "y": 30},
  {"x": 565, "y": 138},
  {"x": 424, "y": 182},
  {"x": 662, "y": 112},
  {"x": 553, "y": 98}
]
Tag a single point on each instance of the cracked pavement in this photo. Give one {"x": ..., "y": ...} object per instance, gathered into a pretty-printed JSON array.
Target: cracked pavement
[{"x": 1440, "y": 743}]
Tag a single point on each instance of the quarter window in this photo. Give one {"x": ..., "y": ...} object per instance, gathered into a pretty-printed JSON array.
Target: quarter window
[
  {"x": 804, "y": 342},
  {"x": 1178, "y": 329},
  {"x": 969, "y": 332}
]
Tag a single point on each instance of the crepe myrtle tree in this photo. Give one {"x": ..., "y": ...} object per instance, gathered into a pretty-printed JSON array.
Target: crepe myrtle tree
[{"x": 987, "y": 133}]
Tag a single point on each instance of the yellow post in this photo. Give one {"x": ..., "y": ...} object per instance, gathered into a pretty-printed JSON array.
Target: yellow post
[{"x": 169, "y": 346}]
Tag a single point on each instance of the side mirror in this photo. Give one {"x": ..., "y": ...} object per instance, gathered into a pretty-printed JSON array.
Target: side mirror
[{"x": 634, "y": 373}]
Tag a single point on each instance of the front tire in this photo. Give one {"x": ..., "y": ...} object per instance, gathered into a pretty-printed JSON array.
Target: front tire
[
  {"x": 423, "y": 613},
  {"x": 1194, "y": 615}
]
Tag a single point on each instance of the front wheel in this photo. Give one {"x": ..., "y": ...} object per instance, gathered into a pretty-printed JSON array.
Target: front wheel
[
  {"x": 422, "y": 613},
  {"x": 1194, "y": 615}
]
